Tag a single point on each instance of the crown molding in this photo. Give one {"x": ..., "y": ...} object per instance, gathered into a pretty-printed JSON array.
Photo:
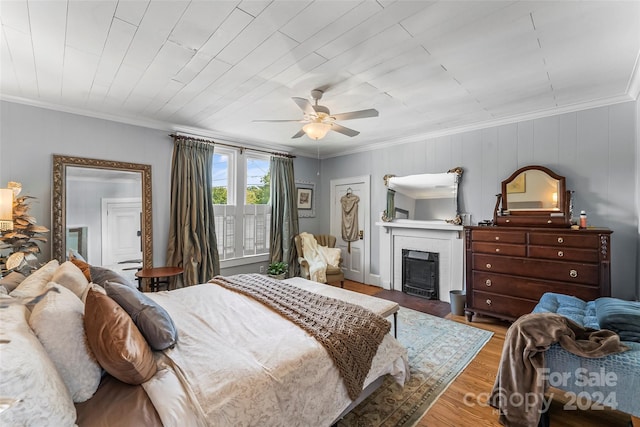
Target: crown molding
[
  {"x": 368, "y": 145},
  {"x": 633, "y": 88},
  {"x": 374, "y": 145},
  {"x": 150, "y": 124}
]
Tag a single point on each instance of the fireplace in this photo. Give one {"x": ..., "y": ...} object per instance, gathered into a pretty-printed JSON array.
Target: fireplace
[
  {"x": 420, "y": 273},
  {"x": 446, "y": 240}
]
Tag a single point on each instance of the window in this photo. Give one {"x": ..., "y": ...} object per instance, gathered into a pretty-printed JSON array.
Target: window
[{"x": 241, "y": 190}]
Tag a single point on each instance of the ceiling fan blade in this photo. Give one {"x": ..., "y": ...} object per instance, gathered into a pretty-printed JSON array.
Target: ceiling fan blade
[
  {"x": 343, "y": 130},
  {"x": 304, "y": 105},
  {"x": 372, "y": 112},
  {"x": 299, "y": 134},
  {"x": 276, "y": 121}
]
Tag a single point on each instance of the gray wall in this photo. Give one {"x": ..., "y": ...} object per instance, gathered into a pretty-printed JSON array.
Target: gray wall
[
  {"x": 30, "y": 136},
  {"x": 595, "y": 149},
  {"x": 638, "y": 196},
  {"x": 306, "y": 170}
]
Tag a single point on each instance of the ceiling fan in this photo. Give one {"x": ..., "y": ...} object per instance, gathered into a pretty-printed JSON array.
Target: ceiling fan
[{"x": 319, "y": 120}]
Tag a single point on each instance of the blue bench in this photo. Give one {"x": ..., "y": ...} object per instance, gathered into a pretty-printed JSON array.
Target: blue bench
[{"x": 612, "y": 381}]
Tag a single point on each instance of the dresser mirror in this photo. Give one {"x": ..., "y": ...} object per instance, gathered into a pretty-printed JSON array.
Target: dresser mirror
[
  {"x": 423, "y": 197},
  {"x": 533, "y": 195},
  {"x": 102, "y": 213}
]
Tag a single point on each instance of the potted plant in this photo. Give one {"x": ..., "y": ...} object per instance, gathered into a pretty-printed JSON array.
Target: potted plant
[{"x": 278, "y": 270}]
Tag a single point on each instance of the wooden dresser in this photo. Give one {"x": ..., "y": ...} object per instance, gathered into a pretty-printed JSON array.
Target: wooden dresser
[{"x": 509, "y": 268}]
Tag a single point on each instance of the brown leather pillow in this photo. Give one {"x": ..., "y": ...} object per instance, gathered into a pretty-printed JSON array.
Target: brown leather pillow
[
  {"x": 115, "y": 340},
  {"x": 82, "y": 265}
]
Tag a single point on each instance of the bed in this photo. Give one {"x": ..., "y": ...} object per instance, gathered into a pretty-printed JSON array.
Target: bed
[{"x": 236, "y": 362}]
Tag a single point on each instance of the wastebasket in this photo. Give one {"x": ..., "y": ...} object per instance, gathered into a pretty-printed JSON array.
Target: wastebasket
[{"x": 457, "y": 299}]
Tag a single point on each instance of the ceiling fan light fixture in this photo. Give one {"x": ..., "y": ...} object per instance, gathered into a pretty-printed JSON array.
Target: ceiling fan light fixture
[{"x": 316, "y": 130}]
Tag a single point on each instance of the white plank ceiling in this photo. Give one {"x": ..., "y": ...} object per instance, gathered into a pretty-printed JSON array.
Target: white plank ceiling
[{"x": 212, "y": 67}]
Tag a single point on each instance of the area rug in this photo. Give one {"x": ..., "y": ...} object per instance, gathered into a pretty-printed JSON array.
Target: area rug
[{"x": 438, "y": 350}]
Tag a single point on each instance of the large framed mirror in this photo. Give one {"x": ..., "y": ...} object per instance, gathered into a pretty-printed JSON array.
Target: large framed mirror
[
  {"x": 534, "y": 195},
  {"x": 102, "y": 213},
  {"x": 424, "y": 197}
]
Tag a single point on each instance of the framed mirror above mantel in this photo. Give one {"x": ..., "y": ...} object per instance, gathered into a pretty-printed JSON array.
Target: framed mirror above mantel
[
  {"x": 430, "y": 197},
  {"x": 534, "y": 196},
  {"x": 85, "y": 193}
]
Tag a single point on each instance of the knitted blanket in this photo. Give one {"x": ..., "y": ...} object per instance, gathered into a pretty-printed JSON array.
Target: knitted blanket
[{"x": 350, "y": 333}]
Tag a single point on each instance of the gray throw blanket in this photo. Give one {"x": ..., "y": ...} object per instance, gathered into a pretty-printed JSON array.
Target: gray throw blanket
[
  {"x": 350, "y": 333},
  {"x": 519, "y": 389}
]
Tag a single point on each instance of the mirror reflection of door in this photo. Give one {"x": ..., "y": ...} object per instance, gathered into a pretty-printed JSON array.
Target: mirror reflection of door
[
  {"x": 121, "y": 231},
  {"x": 86, "y": 188}
]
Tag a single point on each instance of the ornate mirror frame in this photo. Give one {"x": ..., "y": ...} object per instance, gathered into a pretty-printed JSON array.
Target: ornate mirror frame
[
  {"x": 535, "y": 214},
  {"x": 389, "y": 213},
  {"x": 59, "y": 201}
]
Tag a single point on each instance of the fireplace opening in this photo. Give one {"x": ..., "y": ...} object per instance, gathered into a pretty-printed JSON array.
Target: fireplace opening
[{"x": 420, "y": 273}]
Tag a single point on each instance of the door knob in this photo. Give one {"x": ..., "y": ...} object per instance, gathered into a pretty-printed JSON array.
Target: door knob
[{"x": 361, "y": 234}]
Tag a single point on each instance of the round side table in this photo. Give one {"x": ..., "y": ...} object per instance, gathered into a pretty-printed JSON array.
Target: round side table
[{"x": 157, "y": 276}]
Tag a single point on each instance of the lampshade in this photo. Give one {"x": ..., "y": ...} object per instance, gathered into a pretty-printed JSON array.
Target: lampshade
[
  {"x": 316, "y": 130},
  {"x": 6, "y": 209}
]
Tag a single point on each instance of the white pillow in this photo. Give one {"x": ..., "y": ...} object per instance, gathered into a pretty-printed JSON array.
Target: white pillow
[
  {"x": 28, "y": 374},
  {"x": 58, "y": 322},
  {"x": 35, "y": 283},
  {"x": 71, "y": 277}
]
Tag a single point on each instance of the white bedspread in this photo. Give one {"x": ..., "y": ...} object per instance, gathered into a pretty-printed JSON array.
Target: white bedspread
[{"x": 242, "y": 364}]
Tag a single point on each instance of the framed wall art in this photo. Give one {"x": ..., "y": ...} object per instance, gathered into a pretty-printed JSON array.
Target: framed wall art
[{"x": 305, "y": 199}]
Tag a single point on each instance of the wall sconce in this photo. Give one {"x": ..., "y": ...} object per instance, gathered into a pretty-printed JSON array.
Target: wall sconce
[{"x": 6, "y": 209}]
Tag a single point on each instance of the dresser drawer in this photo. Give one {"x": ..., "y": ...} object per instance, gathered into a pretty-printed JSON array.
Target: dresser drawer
[
  {"x": 502, "y": 305},
  {"x": 571, "y": 240},
  {"x": 498, "y": 236},
  {"x": 499, "y": 248},
  {"x": 527, "y": 288},
  {"x": 527, "y": 220},
  {"x": 570, "y": 272},
  {"x": 564, "y": 254}
]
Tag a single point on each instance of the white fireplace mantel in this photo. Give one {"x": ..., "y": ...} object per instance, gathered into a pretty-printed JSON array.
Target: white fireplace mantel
[{"x": 428, "y": 236}]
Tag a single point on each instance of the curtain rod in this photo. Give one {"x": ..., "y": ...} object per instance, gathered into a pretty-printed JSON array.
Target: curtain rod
[{"x": 211, "y": 141}]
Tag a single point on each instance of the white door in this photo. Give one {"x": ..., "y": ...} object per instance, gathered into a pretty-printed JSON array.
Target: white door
[
  {"x": 121, "y": 239},
  {"x": 354, "y": 255}
]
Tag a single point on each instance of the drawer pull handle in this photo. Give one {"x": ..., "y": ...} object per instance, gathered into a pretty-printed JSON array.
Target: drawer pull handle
[
  {"x": 549, "y": 221},
  {"x": 560, "y": 253},
  {"x": 488, "y": 302},
  {"x": 488, "y": 265},
  {"x": 497, "y": 249},
  {"x": 488, "y": 282},
  {"x": 560, "y": 240},
  {"x": 508, "y": 220},
  {"x": 497, "y": 237},
  {"x": 573, "y": 273}
]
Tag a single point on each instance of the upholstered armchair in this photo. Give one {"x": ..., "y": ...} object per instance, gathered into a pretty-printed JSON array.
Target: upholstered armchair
[{"x": 334, "y": 274}]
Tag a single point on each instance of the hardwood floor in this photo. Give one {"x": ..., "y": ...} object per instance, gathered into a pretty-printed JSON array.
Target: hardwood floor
[{"x": 476, "y": 381}]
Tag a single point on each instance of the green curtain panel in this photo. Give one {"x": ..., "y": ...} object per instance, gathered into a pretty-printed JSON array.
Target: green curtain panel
[
  {"x": 192, "y": 237},
  {"x": 284, "y": 214}
]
